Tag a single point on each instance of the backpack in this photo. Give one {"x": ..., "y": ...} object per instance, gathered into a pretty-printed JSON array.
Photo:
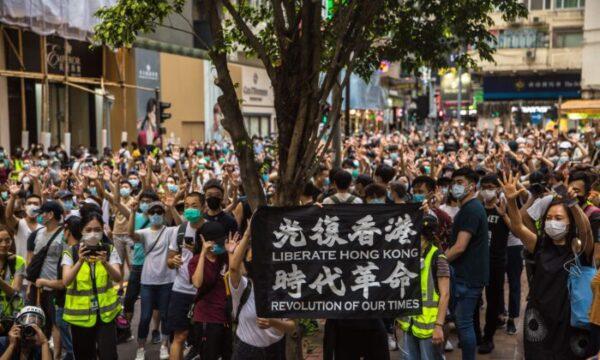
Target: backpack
[
  {"x": 336, "y": 200},
  {"x": 34, "y": 268},
  {"x": 229, "y": 302}
]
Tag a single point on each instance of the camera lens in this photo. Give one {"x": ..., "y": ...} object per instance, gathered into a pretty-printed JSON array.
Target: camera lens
[{"x": 28, "y": 331}]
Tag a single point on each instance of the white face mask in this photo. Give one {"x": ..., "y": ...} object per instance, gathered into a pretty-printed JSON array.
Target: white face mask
[
  {"x": 556, "y": 229},
  {"x": 91, "y": 238},
  {"x": 30, "y": 210},
  {"x": 488, "y": 195}
]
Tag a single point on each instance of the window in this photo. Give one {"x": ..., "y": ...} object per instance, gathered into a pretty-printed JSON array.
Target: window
[
  {"x": 567, "y": 38},
  {"x": 569, "y": 4},
  {"x": 521, "y": 38},
  {"x": 539, "y": 4}
]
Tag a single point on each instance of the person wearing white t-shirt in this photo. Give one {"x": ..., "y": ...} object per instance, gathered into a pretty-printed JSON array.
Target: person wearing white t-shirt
[
  {"x": 181, "y": 252},
  {"x": 256, "y": 336},
  {"x": 22, "y": 227},
  {"x": 157, "y": 279}
]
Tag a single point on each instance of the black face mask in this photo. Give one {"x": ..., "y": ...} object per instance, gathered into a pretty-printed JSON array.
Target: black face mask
[{"x": 214, "y": 203}]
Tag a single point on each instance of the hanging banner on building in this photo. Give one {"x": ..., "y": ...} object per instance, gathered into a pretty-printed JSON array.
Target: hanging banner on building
[
  {"x": 336, "y": 262},
  {"x": 539, "y": 86}
]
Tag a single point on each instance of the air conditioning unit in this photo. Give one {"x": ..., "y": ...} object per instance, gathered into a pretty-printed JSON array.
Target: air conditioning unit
[
  {"x": 536, "y": 20},
  {"x": 530, "y": 55}
]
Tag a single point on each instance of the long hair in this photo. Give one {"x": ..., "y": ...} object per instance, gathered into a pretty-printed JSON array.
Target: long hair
[{"x": 571, "y": 232}]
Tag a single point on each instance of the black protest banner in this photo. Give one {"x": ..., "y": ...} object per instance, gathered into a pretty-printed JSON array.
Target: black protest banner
[{"x": 337, "y": 262}]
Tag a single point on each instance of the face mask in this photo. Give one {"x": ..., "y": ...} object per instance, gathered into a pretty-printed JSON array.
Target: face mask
[
  {"x": 125, "y": 192},
  {"x": 144, "y": 207},
  {"x": 172, "y": 187},
  {"x": 326, "y": 182},
  {"x": 427, "y": 169},
  {"x": 4, "y": 195},
  {"x": 598, "y": 144},
  {"x": 444, "y": 191},
  {"x": 213, "y": 202},
  {"x": 192, "y": 215},
  {"x": 419, "y": 198},
  {"x": 488, "y": 195},
  {"x": 355, "y": 173},
  {"x": 93, "y": 191},
  {"x": 26, "y": 167},
  {"x": 68, "y": 205},
  {"x": 440, "y": 149},
  {"x": 134, "y": 182},
  {"x": 265, "y": 177},
  {"x": 376, "y": 201},
  {"x": 218, "y": 249},
  {"x": 156, "y": 219},
  {"x": 40, "y": 219},
  {"x": 563, "y": 159},
  {"x": 394, "y": 156},
  {"x": 91, "y": 238},
  {"x": 555, "y": 229},
  {"x": 30, "y": 210},
  {"x": 43, "y": 163},
  {"x": 458, "y": 191},
  {"x": 221, "y": 160},
  {"x": 450, "y": 141}
]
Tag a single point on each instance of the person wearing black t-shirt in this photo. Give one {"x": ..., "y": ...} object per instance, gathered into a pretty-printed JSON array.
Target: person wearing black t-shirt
[
  {"x": 213, "y": 193},
  {"x": 498, "y": 227}
]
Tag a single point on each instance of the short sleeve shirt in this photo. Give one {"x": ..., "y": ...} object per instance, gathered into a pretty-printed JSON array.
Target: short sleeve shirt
[
  {"x": 50, "y": 265},
  {"x": 472, "y": 266},
  {"x": 155, "y": 270},
  {"x": 182, "y": 283}
]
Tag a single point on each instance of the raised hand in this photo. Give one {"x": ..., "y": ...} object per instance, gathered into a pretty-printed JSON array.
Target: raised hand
[
  {"x": 232, "y": 242},
  {"x": 509, "y": 186}
]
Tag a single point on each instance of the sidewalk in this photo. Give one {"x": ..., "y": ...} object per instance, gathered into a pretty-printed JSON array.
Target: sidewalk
[{"x": 507, "y": 347}]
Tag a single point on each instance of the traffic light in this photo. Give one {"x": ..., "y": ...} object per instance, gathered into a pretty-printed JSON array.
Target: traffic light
[{"x": 163, "y": 115}]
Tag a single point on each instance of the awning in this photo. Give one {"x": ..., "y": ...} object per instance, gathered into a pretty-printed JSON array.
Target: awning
[
  {"x": 581, "y": 107},
  {"x": 67, "y": 18}
]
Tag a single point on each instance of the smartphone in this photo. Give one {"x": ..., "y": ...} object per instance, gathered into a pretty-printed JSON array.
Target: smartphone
[
  {"x": 561, "y": 190},
  {"x": 95, "y": 249}
]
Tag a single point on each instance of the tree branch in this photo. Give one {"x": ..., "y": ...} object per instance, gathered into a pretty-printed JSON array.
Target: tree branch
[{"x": 252, "y": 39}]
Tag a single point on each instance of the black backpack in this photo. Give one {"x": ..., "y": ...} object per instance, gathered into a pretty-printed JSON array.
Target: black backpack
[{"x": 34, "y": 268}]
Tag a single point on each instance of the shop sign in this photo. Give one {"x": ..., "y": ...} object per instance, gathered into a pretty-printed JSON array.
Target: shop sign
[
  {"x": 147, "y": 70},
  {"x": 550, "y": 86},
  {"x": 81, "y": 59},
  {"x": 256, "y": 87}
]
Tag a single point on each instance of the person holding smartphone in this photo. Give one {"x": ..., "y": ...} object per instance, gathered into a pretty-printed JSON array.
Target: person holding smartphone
[
  {"x": 90, "y": 270},
  {"x": 181, "y": 250}
]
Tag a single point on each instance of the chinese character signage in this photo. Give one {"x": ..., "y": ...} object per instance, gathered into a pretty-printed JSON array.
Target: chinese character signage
[
  {"x": 544, "y": 86},
  {"x": 339, "y": 261}
]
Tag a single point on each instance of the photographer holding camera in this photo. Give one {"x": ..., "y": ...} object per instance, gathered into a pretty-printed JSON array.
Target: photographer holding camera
[
  {"x": 26, "y": 340},
  {"x": 90, "y": 269}
]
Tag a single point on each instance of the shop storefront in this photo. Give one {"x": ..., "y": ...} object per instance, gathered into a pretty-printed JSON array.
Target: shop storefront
[
  {"x": 528, "y": 97},
  {"x": 62, "y": 109},
  {"x": 255, "y": 91}
]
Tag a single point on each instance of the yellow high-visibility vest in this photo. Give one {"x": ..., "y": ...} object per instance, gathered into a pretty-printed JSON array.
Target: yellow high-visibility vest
[
  {"x": 422, "y": 326},
  {"x": 80, "y": 294}
]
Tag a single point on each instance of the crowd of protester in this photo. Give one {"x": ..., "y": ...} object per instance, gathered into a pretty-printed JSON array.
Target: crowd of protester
[{"x": 84, "y": 236}]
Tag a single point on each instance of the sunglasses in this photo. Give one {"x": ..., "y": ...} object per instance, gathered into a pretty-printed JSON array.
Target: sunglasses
[{"x": 156, "y": 212}]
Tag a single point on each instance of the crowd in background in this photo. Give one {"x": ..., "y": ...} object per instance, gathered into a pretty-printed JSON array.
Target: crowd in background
[{"x": 87, "y": 234}]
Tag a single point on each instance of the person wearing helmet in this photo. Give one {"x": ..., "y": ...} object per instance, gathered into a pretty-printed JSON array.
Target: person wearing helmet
[
  {"x": 26, "y": 340},
  {"x": 90, "y": 270},
  {"x": 424, "y": 334}
]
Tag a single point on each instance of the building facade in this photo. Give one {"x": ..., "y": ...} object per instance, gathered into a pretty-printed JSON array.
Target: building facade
[{"x": 539, "y": 59}]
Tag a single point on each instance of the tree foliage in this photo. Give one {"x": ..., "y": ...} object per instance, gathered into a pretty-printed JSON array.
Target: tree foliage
[{"x": 304, "y": 54}]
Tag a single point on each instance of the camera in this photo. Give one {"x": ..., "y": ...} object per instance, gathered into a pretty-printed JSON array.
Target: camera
[{"x": 95, "y": 249}]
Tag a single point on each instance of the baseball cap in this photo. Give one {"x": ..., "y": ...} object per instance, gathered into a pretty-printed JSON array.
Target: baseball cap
[
  {"x": 214, "y": 231},
  {"x": 51, "y": 206},
  {"x": 64, "y": 193}
]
